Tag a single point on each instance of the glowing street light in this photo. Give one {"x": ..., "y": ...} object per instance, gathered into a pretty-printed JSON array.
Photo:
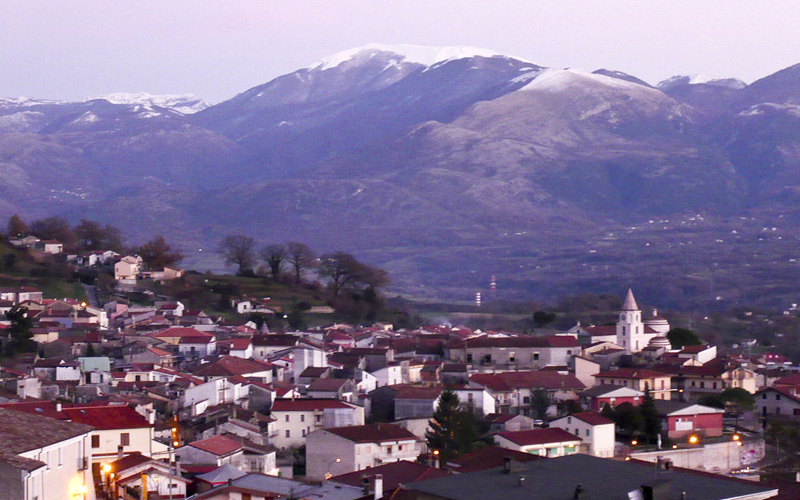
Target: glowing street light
[
  {"x": 634, "y": 442},
  {"x": 736, "y": 437},
  {"x": 693, "y": 439},
  {"x": 106, "y": 468}
]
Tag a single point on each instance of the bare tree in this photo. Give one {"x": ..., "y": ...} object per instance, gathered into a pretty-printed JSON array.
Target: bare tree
[
  {"x": 157, "y": 253},
  {"x": 239, "y": 250},
  {"x": 344, "y": 270},
  {"x": 274, "y": 256},
  {"x": 300, "y": 257}
]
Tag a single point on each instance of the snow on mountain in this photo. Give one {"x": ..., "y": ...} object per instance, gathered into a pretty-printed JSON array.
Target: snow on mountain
[
  {"x": 557, "y": 80},
  {"x": 25, "y": 101},
  {"x": 700, "y": 79},
  {"x": 416, "y": 54},
  {"x": 185, "y": 104}
]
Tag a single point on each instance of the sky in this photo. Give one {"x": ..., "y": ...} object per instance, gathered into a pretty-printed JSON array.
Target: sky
[{"x": 75, "y": 49}]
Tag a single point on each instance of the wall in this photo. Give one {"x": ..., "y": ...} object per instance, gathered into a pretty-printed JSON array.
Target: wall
[
  {"x": 59, "y": 481},
  {"x": 718, "y": 457},
  {"x": 110, "y": 439}
]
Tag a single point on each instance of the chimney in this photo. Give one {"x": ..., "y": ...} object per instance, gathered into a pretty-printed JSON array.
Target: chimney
[
  {"x": 578, "y": 492},
  {"x": 521, "y": 481},
  {"x": 58, "y": 406},
  {"x": 151, "y": 417},
  {"x": 506, "y": 465},
  {"x": 378, "y": 486},
  {"x": 120, "y": 452}
]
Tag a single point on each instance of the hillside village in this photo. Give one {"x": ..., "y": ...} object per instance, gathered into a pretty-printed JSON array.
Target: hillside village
[{"x": 119, "y": 398}]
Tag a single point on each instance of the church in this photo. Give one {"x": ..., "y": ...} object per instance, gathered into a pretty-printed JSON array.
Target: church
[{"x": 631, "y": 332}]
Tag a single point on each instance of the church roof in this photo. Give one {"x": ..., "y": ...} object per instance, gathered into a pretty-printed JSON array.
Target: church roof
[{"x": 630, "y": 302}]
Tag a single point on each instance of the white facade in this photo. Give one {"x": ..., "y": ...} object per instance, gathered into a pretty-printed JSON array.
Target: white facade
[
  {"x": 105, "y": 443},
  {"x": 215, "y": 392},
  {"x": 477, "y": 399},
  {"x": 328, "y": 453},
  {"x": 598, "y": 438},
  {"x": 65, "y": 475},
  {"x": 388, "y": 375},
  {"x": 292, "y": 427},
  {"x": 630, "y": 328}
]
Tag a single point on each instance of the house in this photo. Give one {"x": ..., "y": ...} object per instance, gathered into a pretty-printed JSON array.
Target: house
[
  {"x": 681, "y": 419},
  {"x": 296, "y": 418},
  {"x": 513, "y": 391},
  {"x": 596, "y": 431},
  {"x": 387, "y": 478},
  {"x": 43, "y": 458},
  {"x": 264, "y": 346},
  {"x": 191, "y": 342},
  {"x": 128, "y": 268},
  {"x": 335, "y": 388},
  {"x": 216, "y": 450},
  {"x": 229, "y": 366},
  {"x": 778, "y": 402},
  {"x": 500, "y": 422},
  {"x": 241, "y": 347},
  {"x": 552, "y": 442},
  {"x": 215, "y": 392},
  {"x": 50, "y": 247},
  {"x": 659, "y": 384},
  {"x": 585, "y": 477},
  {"x": 597, "y": 397},
  {"x": 513, "y": 353},
  {"x": 340, "y": 450},
  {"x": 416, "y": 402},
  {"x": 126, "y": 472},
  {"x": 477, "y": 400}
]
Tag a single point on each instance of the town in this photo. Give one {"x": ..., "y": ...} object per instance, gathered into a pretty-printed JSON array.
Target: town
[{"x": 130, "y": 393}]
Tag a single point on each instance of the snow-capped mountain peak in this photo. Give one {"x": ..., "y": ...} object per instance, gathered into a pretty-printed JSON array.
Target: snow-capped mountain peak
[
  {"x": 558, "y": 79},
  {"x": 416, "y": 54},
  {"x": 700, "y": 79},
  {"x": 185, "y": 104}
]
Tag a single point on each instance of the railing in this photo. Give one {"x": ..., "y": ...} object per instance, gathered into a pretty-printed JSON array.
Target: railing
[{"x": 83, "y": 463}]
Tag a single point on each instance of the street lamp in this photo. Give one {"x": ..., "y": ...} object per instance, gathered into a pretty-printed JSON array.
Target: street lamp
[
  {"x": 634, "y": 442},
  {"x": 328, "y": 474},
  {"x": 693, "y": 439}
]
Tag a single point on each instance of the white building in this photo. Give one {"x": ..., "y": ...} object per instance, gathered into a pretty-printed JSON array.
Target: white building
[
  {"x": 331, "y": 452},
  {"x": 297, "y": 418},
  {"x": 597, "y": 432},
  {"x": 43, "y": 458},
  {"x": 632, "y": 334},
  {"x": 551, "y": 442}
]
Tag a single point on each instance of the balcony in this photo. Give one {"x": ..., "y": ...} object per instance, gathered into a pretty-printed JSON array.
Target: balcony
[{"x": 83, "y": 463}]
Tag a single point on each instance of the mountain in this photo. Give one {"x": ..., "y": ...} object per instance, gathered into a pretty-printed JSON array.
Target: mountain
[{"x": 446, "y": 166}]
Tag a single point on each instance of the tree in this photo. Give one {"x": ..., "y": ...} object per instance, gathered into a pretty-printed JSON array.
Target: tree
[
  {"x": 739, "y": 399},
  {"x": 157, "y": 253},
  {"x": 90, "y": 235},
  {"x": 274, "y": 256},
  {"x": 20, "y": 333},
  {"x": 681, "y": 337},
  {"x": 540, "y": 403},
  {"x": 344, "y": 270},
  {"x": 629, "y": 419},
  {"x": 54, "y": 228},
  {"x": 300, "y": 257},
  {"x": 542, "y": 318},
  {"x": 652, "y": 423},
  {"x": 239, "y": 250},
  {"x": 16, "y": 227},
  {"x": 453, "y": 431}
]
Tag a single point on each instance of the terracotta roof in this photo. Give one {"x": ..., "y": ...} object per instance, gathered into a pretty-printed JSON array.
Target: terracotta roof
[
  {"x": 217, "y": 445},
  {"x": 128, "y": 462},
  {"x": 373, "y": 433},
  {"x": 327, "y": 384},
  {"x": 227, "y": 366},
  {"x": 308, "y": 404},
  {"x": 313, "y": 372},
  {"x": 427, "y": 393},
  {"x": 23, "y": 431},
  {"x": 507, "y": 381},
  {"x": 180, "y": 331},
  {"x": 538, "y": 436},
  {"x": 487, "y": 458},
  {"x": 394, "y": 474},
  {"x": 632, "y": 373},
  {"x": 275, "y": 340},
  {"x": 517, "y": 341},
  {"x": 107, "y": 417},
  {"x": 592, "y": 418}
]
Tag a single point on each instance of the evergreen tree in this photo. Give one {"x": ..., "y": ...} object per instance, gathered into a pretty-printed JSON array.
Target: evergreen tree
[
  {"x": 453, "y": 431},
  {"x": 652, "y": 424},
  {"x": 20, "y": 332},
  {"x": 16, "y": 228}
]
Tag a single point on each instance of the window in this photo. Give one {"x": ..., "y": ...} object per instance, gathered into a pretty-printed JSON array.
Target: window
[
  {"x": 512, "y": 357},
  {"x": 777, "y": 397},
  {"x": 388, "y": 449},
  {"x": 569, "y": 352},
  {"x": 246, "y": 496},
  {"x": 125, "y": 439},
  {"x": 399, "y": 447},
  {"x": 304, "y": 433},
  {"x": 469, "y": 358},
  {"x": 95, "y": 441},
  {"x": 286, "y": 418},
  {"x": 318, "y": 418},
  {"x": 59, "y": 457},
  {"x": 702, "y": 385},
  {"x": 587, "y": 433},
  {"x": 536, "y": 356},
  {"x": 714, "y": 385},
  {"x": 302, "y": 418},
  {"x": 662, "y": 385},
  {"x": 692, "y": 383},
  {"x": 764, "y": 396},
  {"x": 288, "y": 433},
  {"x": 526, "y": 400},
  {"x": 569, "y": 420}
]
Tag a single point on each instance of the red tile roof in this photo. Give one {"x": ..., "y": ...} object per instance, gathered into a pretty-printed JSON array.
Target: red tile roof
[
  {"x": 592, "y": 418},
  {"x": 631, "y": 373},
  {"x": 394, "y": 474},
  {"x": 508, "y": 381},
  {"x": 518, "y": 341},
  {"x": 487, "y": 458},
  {"x": 217, "y": 445},
  {"x": 538, "y": 436},
  {"x": 107, "y": 417},
  {"x": 227, "y": 366},
  {"x": 427, "y": 393},
  {"x": 373, "y": 433}
]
